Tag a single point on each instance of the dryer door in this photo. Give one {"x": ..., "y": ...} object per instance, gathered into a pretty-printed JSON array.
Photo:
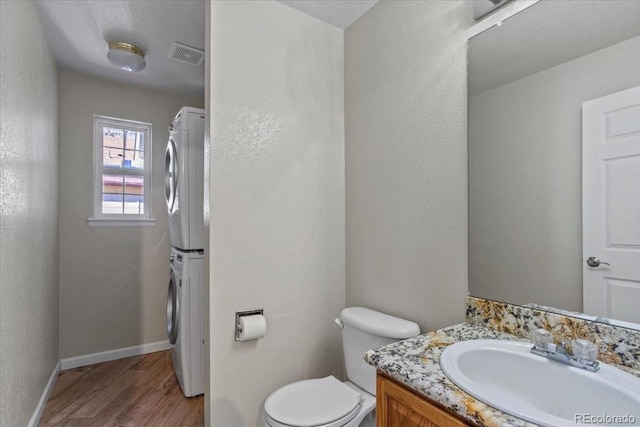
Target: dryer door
[
  {"x": 173, "y": 309},
  {"x": 171, "y": 174}
]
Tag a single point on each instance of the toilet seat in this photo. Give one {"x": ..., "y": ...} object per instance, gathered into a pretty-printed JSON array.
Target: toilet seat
[{"x": 325, "y": 402}]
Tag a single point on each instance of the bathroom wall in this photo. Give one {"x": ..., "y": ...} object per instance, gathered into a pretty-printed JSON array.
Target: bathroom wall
[
  {"x": 113, "y": 280},
  {"x": 28, "y": 212},
  {"x": 277, "y": 201},
  {"x": 540, "y": 204},
  {"x": 406, "y": 160}
]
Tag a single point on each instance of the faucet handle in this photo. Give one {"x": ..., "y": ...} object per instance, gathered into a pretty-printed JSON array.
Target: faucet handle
[
  {"x": 584, "y": 351},
  {"x": 542, "y": 339}
]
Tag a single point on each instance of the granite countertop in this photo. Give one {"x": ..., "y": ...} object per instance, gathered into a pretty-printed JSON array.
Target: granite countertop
[{"x": 415, "y": 362}]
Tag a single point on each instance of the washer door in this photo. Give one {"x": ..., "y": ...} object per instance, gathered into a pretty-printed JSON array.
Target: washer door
[
  {"x": 170, "y": 174},
  {"x": 173, "y": 309}
]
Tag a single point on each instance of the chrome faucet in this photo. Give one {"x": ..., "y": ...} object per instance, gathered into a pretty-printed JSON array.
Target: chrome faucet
[{"x": 584, "y": 352}]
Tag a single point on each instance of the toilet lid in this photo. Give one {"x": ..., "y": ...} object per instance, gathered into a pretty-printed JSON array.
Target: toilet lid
[{"x": 312, "y": 402}]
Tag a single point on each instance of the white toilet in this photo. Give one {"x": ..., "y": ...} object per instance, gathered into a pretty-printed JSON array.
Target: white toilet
[{"x": 327, "y": 402}]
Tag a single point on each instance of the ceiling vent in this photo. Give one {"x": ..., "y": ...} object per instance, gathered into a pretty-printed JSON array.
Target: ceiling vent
[{"x": 187, "y": 54}]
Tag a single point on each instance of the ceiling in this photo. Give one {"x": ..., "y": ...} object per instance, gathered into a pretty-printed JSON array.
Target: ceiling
[
  {"x": 547, "y": 34},
  {"x": 79, "y": 32},
  {"x": 339, "y": 13}
]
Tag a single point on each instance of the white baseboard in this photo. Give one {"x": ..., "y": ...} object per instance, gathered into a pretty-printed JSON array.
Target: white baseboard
[
  {"x": 35, "y": 418},
  {"x": 107, "y": 356}
]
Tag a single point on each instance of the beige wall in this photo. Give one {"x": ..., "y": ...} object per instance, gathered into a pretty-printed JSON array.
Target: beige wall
[
  {"x": 113, "y": 281},
  {"x": 29, "y": 212},
  {"x": 526, "y": 178},
  {"x": 277, "y": 201},
  {"x": 406, "y": 160}
]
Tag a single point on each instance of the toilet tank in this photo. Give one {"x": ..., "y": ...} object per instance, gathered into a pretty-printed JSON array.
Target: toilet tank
[{"x": 364, "y": 329}]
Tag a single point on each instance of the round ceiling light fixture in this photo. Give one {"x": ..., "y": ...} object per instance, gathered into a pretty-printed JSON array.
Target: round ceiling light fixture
[{"x": 126, "y": 56}]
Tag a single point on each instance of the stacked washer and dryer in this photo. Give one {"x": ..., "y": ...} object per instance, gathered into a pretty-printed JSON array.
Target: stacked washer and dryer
[{"x": 184, "y": 192}]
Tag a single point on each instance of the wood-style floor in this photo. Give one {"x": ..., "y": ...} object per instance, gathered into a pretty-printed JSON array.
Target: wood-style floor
[{"x": 137, "y": 391}]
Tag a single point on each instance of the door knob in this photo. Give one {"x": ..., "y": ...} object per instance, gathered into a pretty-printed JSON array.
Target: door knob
[{"x": 593, "y": 261}]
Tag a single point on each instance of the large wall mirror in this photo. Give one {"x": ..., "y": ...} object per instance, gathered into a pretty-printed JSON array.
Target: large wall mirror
[{"x": 528, "y": 80}]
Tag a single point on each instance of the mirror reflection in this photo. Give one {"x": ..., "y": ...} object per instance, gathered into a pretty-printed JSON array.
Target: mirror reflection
[{"x": 531, "y": 80}]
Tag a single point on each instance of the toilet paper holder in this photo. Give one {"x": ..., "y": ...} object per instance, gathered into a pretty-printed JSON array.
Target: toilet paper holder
[{"x": 240, "y": 314}]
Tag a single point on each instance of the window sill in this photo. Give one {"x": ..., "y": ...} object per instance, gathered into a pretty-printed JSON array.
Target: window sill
[{"x": 109, "y": 222}]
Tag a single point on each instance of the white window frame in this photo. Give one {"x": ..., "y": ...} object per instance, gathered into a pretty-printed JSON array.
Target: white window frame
[{"x": 100, "y": 219}]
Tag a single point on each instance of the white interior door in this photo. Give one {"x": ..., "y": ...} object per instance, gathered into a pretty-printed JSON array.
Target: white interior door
[{"x": 611, "y": 205}]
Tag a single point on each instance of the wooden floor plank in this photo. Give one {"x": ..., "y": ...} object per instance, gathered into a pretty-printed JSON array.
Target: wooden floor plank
[
  {"x": 64, "y": 381},
  {"x": 156, "y": 372},
  {"x": 106, "y": 395},
  {"x": 150, "y": 359},
  {"x": 150, "y": 403},
  {"x": 68, "y": 402},
  {"x": 137, "y": 391},
  {"x": 166, "y": 405},
  {"x": 117, "y": 412}
]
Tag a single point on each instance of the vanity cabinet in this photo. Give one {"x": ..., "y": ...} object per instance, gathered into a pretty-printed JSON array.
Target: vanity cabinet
[{"x": 397, "y": 406}]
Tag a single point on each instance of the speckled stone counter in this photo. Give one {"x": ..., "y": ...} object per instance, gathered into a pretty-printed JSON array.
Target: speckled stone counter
[
  {"x": 415, "y": 362},
  {"x": 616, "y": 345}
]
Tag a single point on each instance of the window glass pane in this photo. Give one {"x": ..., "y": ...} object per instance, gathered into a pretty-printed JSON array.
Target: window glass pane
[
  {"x": 134, "y": 204},
  {"x": 112, "y": 137},
  {"x": 134, "y": 194},
  {"x": 112, "y": 203},
  {"x": 112, "y": 157},
  {"x": 133, "y": 138},
  {"x": 134, "y": 159},
  {"x": 134, "y": 184},
  {"x": 122, "y": 194},
  {"x": 122, "y": 148},
  {"x": 112, "y": 197},
  {"x": 117, "y": 158},
  {"x": 112, "y": 184}
]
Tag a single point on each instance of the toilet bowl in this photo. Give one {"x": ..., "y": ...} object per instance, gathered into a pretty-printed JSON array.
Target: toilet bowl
[{"x": 328, "y": 402}]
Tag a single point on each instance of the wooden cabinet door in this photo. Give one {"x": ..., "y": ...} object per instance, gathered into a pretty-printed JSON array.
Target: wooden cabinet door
[{"x": 398, "y": 406}]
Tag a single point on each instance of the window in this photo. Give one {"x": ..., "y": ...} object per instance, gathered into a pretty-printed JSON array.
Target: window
[{"x": 122, "y": 172}]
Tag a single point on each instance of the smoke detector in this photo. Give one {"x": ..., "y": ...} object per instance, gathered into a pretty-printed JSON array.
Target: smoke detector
[{"x": 184, "y": 53}]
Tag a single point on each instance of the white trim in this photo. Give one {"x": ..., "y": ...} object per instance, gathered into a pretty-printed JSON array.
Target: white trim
[
  {"x": 109, "y": 355},
  {"x": 101, "y": 222},
  {"x": 35, "y": 418}
]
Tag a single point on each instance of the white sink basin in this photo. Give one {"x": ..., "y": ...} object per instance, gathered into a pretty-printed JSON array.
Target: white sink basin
[{"x": 505, "y": 375}]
